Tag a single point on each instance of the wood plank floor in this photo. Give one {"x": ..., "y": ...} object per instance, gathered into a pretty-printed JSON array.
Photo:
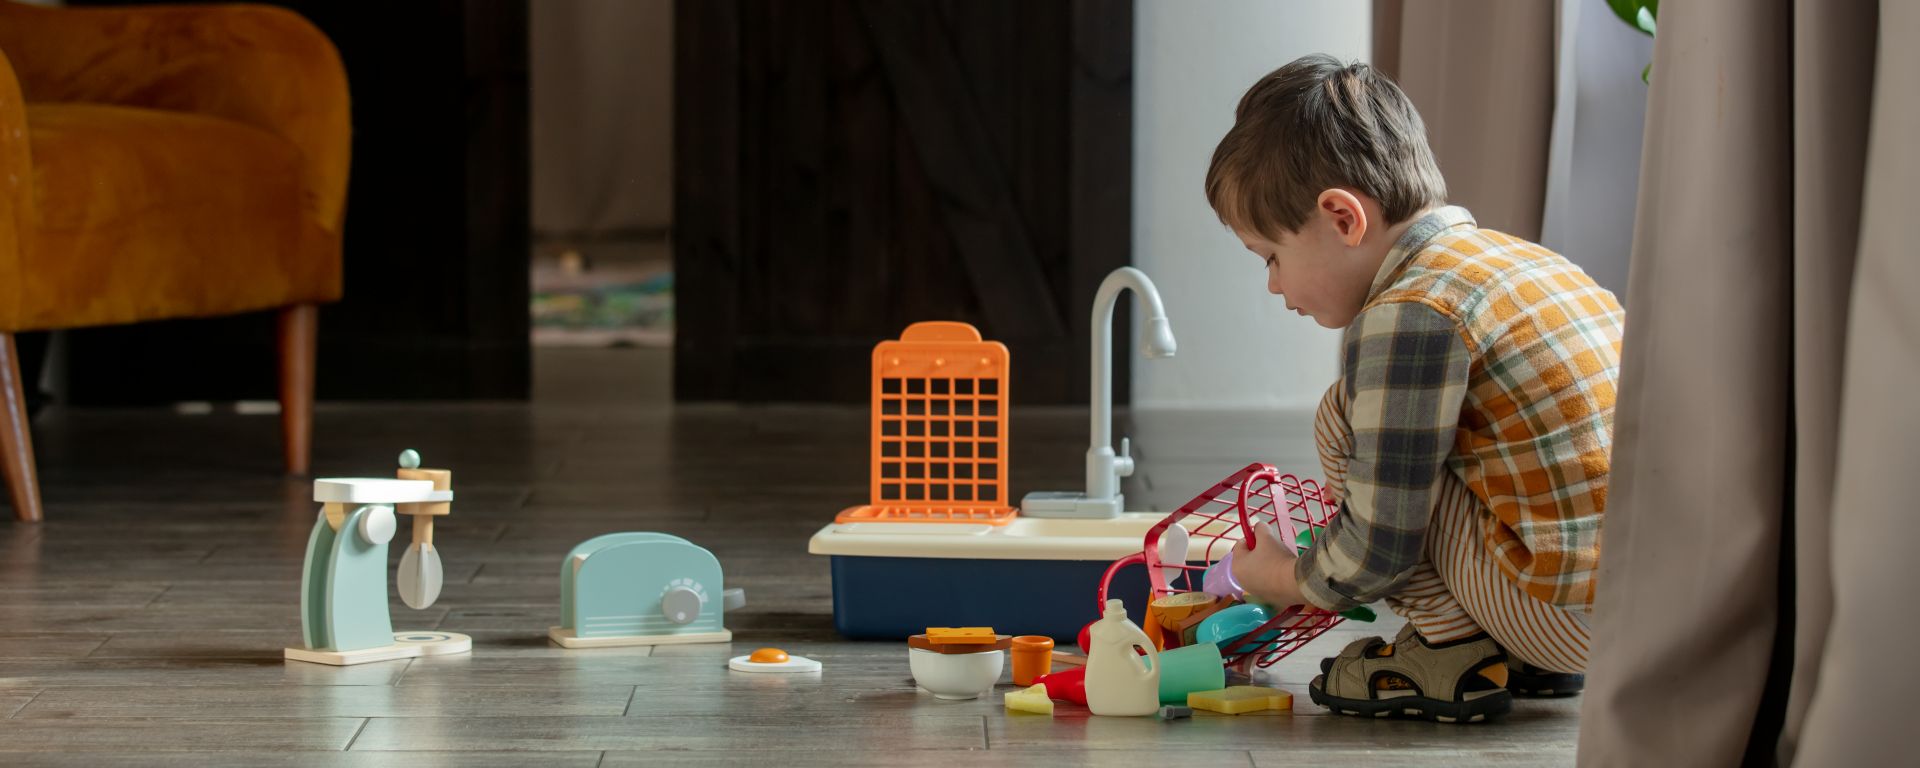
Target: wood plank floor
[{"x": 143, "y": 623}]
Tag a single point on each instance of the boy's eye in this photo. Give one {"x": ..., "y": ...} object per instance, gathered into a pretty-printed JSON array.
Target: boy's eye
[{"x": 1269, "y": 261}]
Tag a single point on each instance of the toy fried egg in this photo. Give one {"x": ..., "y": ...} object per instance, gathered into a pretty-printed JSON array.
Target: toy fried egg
[{"x": 772, "y": 660}]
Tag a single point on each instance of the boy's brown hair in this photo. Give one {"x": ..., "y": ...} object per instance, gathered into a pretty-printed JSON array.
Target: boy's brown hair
[{"x": 1313, "y": 125}]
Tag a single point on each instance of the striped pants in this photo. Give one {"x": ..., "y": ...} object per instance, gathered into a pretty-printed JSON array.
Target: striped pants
[{"x": 1458, "y": 590}]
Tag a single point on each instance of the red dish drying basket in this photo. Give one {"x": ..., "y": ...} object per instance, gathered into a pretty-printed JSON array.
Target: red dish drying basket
[{"x": 1224, "y": 516}]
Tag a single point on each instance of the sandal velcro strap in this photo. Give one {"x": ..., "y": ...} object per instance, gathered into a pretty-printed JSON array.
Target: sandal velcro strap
[
  {"x": 1446, "y": 672},
  {"x": 1363, "y": 648}
]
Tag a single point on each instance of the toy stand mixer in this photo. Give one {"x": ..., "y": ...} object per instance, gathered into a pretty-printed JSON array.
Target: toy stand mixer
[
  {"x": 343, "y": 590},
  {"x": 1205, "y": 530}
]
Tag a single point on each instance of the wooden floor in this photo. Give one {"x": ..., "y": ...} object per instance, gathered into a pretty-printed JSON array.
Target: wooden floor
[{"x": 143, "y": 623}]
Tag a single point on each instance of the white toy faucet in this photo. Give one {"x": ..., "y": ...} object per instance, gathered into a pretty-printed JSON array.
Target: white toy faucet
[{"x": 1102, "y": 498}]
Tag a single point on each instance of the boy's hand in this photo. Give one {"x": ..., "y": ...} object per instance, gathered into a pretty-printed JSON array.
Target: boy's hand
[{"x": 1265, "y": 571}]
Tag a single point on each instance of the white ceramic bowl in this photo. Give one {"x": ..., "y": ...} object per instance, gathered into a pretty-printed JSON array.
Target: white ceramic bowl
[{"x": 956, "y": 675}]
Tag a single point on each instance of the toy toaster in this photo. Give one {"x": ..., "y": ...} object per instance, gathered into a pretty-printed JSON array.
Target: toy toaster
[{"x": 642, "y": 589}]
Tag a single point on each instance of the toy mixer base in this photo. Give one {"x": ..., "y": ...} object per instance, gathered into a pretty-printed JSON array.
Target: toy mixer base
[
  {"x": 406, "y": 645},
  {"x": 566, "y": 638}
]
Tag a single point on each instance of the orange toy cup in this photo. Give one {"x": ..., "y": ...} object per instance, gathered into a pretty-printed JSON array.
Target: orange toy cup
[{"x": 1032, "y": 657}]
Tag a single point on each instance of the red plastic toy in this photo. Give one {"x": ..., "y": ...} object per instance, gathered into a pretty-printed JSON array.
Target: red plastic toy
[
  {"x": 1220, "y": 518},
  {"x": 1066, "y": 685}
]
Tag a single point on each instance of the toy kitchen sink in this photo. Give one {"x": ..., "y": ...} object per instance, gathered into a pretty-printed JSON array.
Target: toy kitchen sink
[
  {"x": 1029, "y": 576},
  {"x": 941, "y": 543}
]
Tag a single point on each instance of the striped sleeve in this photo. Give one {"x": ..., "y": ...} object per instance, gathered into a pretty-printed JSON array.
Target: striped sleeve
[{"x": 1405, "y": 370}]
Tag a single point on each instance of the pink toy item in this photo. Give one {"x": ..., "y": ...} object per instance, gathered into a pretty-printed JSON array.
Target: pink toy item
[
  {"x": 1219, "y": 580},
  {"x": 1217, "y": 520}
]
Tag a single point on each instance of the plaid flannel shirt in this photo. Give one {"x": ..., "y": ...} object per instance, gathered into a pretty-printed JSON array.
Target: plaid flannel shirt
[{"x": 1491, "y": 357}]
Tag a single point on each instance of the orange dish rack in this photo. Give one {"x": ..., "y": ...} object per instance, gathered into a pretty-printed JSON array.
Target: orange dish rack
[
  {"x": 939, "y": 429},
  {"x": 1223, "y": 516}
]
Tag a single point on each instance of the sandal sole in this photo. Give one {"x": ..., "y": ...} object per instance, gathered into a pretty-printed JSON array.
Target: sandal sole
[
  {"x": 1528, "y": 686},
  {"x": 1479, "y": 710}
]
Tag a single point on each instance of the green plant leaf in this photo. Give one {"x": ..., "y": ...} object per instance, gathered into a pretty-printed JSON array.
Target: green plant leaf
[{"x": 1639, "y": 14}]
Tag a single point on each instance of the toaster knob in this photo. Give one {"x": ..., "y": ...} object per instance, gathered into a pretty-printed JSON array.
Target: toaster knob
[{"x": 680, "y": 605}]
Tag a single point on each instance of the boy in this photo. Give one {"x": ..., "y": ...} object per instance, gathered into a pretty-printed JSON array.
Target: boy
[{"x": 1467, "y": 438}]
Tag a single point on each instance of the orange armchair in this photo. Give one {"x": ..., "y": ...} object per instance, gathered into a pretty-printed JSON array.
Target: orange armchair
[{"x": 167, "y": 162}]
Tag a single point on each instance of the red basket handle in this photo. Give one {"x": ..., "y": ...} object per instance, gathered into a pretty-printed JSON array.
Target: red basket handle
[
  {"x": 1281, "y": 515},
  {"x": 1106, "y": 580},
  {"x": 1246, "y": 526}
]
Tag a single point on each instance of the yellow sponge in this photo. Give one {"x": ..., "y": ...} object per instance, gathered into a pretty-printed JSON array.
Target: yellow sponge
[
  {"x": 961, "y": 635},
  {"x": 1033, "y": 700},
  {"x": 1240, "y": 699}
]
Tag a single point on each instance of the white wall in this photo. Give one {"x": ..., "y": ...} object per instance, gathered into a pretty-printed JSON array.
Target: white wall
[{"x": 1239, "y": 347}]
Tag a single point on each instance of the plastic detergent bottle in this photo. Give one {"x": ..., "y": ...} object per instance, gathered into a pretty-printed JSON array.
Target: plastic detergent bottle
[{"x": 1121, "y": 681}]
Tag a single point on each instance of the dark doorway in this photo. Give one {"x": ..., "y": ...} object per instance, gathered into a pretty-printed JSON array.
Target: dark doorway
[{"x": 844, "y": 168}]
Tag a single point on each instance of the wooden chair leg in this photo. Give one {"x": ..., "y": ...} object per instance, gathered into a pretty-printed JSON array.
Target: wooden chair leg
[
  {"x": 299, "y": 336},
  {"x": 16, "y": 441}
]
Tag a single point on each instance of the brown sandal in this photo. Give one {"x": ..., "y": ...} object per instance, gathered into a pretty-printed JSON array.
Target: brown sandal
[{"x": 1463, "y": 681}]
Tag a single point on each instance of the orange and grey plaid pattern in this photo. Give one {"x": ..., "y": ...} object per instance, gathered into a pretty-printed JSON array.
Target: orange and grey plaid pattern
[
  {"x": 1536, "y": 430},
  {"x": 1498, "y": 359}
]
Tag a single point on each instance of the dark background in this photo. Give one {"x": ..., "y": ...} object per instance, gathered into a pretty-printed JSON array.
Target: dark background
[
  {"x": 843, "y": 168},
  {"x": 846, "y": 167},
  {"x": 435, "y": 302}
]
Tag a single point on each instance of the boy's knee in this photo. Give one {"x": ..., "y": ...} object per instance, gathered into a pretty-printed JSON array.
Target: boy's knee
[
  {"x": 1333, "y": 404},
  {"x": 1331, "y": 430}
]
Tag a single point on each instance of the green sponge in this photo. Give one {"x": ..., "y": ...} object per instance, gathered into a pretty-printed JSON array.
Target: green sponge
[
  {"x": 1032, "y": 699},
  {"x": 1239, "y": 699}
]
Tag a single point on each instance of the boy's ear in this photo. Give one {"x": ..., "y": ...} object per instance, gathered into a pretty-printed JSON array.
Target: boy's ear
[{"x": 1344, "y": 211}]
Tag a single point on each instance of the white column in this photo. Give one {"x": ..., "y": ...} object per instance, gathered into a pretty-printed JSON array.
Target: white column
[{"x": 1239, "y": 347}]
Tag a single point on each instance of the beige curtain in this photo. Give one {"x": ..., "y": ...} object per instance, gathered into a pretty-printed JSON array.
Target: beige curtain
[
  {"x": 1481, "y": 73},
  {"x": 602, "y": 127},
  {"x": 1767, "y": 398}
]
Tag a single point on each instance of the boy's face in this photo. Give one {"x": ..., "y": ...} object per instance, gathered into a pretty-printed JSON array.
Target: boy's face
[{"x": 1322, "y": 270}]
